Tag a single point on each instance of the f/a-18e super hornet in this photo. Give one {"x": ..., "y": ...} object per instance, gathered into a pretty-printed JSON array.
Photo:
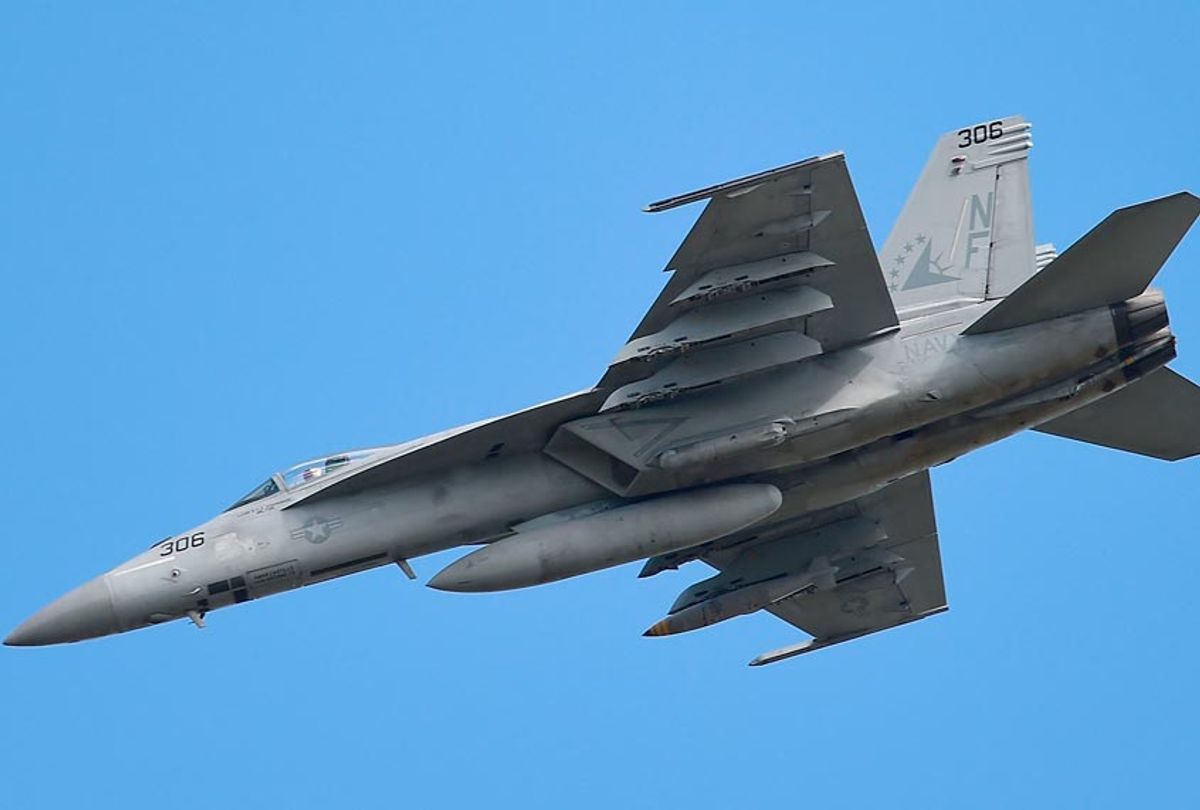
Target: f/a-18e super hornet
[{"x": 774, "y": 414}]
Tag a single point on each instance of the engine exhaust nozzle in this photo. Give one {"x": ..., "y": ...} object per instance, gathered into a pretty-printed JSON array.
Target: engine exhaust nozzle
[{"x": 1139, "y": 318}]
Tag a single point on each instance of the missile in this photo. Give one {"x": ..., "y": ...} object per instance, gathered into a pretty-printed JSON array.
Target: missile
[
  {"x": 566, "y": 548},
  {"x": 747, "y": 599},
  {"x": 750, "y": 439},
  {"x": 712, "y": 450}
]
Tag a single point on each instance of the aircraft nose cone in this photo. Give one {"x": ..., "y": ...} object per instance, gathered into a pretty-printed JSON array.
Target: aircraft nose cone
[{"x": 86, "y": 612}]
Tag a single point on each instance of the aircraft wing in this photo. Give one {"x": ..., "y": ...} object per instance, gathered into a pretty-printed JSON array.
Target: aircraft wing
[
  {"x": 888, "y": 568},
  {"x": 784, "y": 253},
  {"x": 778, "y": 267}
]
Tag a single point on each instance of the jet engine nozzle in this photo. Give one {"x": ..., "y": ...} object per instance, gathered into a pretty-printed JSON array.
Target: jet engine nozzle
[{"x": 1139, "y": 318}]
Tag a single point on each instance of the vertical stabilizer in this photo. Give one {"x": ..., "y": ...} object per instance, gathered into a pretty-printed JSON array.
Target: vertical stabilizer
[{"x": 966, "y": 232}]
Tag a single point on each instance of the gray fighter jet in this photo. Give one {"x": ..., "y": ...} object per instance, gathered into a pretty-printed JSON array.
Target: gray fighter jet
[{"x": 774, "y": 415}]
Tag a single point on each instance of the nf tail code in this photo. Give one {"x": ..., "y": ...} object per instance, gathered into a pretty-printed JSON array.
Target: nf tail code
[{"x": 966, "y": 232}]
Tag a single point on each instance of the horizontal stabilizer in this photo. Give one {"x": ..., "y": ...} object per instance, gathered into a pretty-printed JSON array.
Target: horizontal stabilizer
[
  {"x": 1114, "y": 261},
  {"x": 1159, "y": 416}
]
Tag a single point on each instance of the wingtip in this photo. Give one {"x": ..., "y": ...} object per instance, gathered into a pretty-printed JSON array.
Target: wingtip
[
  {"x": 740, "y": 184},
  {"x": 1166, "y": 199},
  {"x": 1183, "y": 194},
  {"x": 658, "y": 206}
]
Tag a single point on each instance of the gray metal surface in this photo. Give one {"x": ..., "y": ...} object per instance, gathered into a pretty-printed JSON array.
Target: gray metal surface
[
  {"x": 1114, "y": 261},
  {"x": 1158, "y": 416},
  {"x": 966, "y": 233},
  {"x": 785, "y": 215}
]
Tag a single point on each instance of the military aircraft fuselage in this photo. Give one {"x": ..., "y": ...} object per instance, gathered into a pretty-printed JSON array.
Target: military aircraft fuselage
[
  {"x": 773, "y": 414},
  {"x": 824, "y": 430}
]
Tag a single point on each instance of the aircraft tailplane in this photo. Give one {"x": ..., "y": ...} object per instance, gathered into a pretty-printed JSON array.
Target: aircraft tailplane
[
  {"x": 1114, "y": 261},
  {"x": 1158, "y": 416}
]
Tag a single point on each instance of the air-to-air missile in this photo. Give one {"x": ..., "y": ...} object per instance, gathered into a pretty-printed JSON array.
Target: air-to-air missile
[
  {"x": 773, "y": 415},
  {"x": 695, "y": 608}
]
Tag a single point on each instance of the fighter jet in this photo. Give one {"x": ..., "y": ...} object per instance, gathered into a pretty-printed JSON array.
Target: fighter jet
[{"x": 774, "y": 415}]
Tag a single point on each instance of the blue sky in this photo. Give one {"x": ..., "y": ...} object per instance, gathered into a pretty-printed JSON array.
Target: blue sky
[{"x": 237, "y": 235}]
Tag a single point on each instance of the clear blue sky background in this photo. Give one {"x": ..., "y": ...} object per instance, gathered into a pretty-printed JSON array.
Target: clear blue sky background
[{"x": 233, "y": 237}]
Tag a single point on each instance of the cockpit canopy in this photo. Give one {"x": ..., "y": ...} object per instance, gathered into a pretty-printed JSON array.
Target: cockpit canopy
[
  {"x": 301, "y": 474},
  {"x": 263, "y": 490}
]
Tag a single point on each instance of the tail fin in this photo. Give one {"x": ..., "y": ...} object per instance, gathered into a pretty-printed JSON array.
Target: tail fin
[
  {"x": 1158, "y": 415},
  {"x": 966, "y": 232},
  {"x": 1114, "y": 261}
]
